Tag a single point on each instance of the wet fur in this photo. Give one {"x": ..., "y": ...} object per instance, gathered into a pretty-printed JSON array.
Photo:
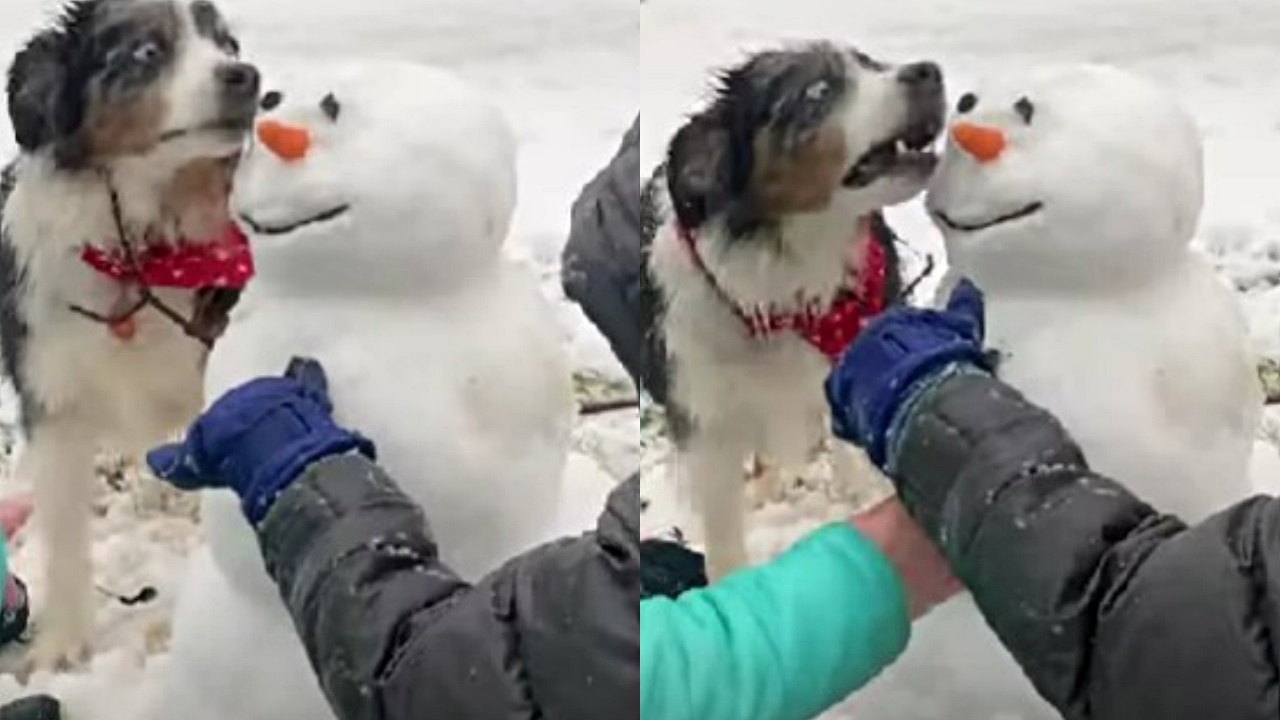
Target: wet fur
[
  {"x": 145, "y": 97},
  {"x": 757, "y": 177}
]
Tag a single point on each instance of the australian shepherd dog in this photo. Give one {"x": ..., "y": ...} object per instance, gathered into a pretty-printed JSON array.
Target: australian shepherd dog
[
  {"x": 770, "y": 253},
  {"x": 118, "y": 261}
]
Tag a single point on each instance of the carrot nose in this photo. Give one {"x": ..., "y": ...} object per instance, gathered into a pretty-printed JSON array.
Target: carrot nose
[
  {"x": 984, "y": 144},
  {"x": 289, "y": 142}
]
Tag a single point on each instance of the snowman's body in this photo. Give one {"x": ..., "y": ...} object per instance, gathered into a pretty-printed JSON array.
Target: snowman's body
[
  {"x": 438, "y": 349},
  {"x": 1101, "y": 313},
  {"x": 1154, "y": 383}
]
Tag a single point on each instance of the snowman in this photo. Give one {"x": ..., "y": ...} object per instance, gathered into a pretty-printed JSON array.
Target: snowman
[
  {"x": 1071, "y": 198},
  {"x": 377, "y": 197}
]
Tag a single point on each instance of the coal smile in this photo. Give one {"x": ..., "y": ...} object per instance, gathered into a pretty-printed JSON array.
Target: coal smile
[
  {"x": 1027, "y": 211},
  {"x": 911, "y": 148},
  {"x": 326, "y": 216}
]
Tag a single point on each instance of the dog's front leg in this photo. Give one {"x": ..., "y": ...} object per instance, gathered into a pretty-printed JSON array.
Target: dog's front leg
[
  {"x": 58, "y": 461},
  {"x": 711, "y": 468}
]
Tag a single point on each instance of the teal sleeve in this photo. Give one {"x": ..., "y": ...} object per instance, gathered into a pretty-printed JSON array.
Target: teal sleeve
[{"x": 782, "y": 641}]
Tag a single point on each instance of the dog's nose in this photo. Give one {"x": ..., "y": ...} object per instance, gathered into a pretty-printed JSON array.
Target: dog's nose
[
  {"x": 920, "y": 74},
  {"x": 287, "y": 142},
  {"x": 982, "y": 143},
  {"x": 241, "y": 79}
]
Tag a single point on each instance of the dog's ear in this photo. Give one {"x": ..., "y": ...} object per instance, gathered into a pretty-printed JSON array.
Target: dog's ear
[
  {"x": 35, "y": 88},
  {"x": 698, "y": 171}
]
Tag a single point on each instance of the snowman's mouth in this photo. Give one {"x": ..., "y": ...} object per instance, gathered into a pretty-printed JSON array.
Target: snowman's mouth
[
  {"x": 908, "y": 152},
  {"x": 285, "y": 228},
  {"x": 1029, "y": 210}
]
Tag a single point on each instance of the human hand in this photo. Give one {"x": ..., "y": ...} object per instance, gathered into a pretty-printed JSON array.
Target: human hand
[
  {"x": 921, "y": 566},
  {"x": 891, "y": 356},
  {"x": 258, "y": 438},
  {"x": 15, "y": 510}
]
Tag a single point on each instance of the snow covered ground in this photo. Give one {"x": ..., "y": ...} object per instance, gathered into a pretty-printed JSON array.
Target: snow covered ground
[{"x": 564, "y": 70}]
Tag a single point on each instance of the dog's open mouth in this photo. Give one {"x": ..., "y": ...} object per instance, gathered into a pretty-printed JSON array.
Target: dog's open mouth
[
  {"x": 1027, "y": 211},
  {"x": 286, "y": 228},
  {"x": 910, "y": 150},
  {"x": 230, "y": 126}
]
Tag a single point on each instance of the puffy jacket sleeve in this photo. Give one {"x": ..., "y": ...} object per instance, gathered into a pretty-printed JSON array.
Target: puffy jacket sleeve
[
  {"x": 782, "y": 641},
  {"x": 604, "y": 266},
  {"x": 1114, "y": 611},
  {"x": 394, "y": 634}
]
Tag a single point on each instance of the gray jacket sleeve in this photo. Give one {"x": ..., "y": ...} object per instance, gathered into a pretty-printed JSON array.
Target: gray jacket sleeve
[
  {"x": 1114, "y": 611},
  {"x": 604, "y": 266},
  {"x": 393, "y": 634}
]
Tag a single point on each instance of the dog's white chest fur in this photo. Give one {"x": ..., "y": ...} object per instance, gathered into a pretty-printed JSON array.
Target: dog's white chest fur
[{"x": 766, "y": 393}]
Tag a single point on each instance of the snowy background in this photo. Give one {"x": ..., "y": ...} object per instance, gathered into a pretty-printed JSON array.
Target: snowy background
[
  {"x": 572, "y": 74},
  {"x": 564, "y": 70}
]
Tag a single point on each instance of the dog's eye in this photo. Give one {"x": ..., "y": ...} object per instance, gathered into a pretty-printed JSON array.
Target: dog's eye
[
  {"x": 968, "y": 102},
  {"x": 818, "y": 91},
  {"x": 271, "y": 100},
  {"x": 146, "y": 52},
  {"x": 330, "y": 107},
  {"x": 1025, "y": 110}
]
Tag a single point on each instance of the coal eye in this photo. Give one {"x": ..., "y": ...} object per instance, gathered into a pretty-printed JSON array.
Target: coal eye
[
  {"x": 968, "y": 101},
  {"x": 329, "y": 105},
  {"x": 271, "y": 100},
  {"x": 1025, "y": 110}
]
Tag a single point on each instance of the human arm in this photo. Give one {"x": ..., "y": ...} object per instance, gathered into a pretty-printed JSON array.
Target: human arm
[
  {"x": 394, "y": 634},
  {"x": 604, "y": 265},
  {"x": 1113, "y": 610},
  {"x": 783, "y": 640},
  {"x": 391, "y": 631}
]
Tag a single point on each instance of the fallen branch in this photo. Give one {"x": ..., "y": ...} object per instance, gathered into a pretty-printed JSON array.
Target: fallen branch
[{"x": 600, "y": 407}]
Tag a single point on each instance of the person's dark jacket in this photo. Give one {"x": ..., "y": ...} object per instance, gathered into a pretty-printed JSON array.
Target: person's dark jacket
[
  {"x": 393, "y": 634},
  {"x": 603, "y": 267},
  {"x": 1115, "y": 611}
]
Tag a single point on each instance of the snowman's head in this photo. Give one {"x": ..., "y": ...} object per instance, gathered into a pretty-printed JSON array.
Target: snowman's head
[
  {"x": 375, "y": 177},
  {"x": 1074, "y": 177}
]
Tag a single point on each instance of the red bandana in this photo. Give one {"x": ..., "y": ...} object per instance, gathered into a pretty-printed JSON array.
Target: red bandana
[
  {"x": 830, "y": 330},
  {"x": 225, "y": 262}
]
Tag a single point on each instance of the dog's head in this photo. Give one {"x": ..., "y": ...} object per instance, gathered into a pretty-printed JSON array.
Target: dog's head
[
  {"x": 114, "y": 79},
  {"x": 790, "y": 131}
]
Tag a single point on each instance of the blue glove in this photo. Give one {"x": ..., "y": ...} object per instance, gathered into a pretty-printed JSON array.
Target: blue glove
[
  {"x": 258, "y": 438},
  {"x": 894, "y": 356}
]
